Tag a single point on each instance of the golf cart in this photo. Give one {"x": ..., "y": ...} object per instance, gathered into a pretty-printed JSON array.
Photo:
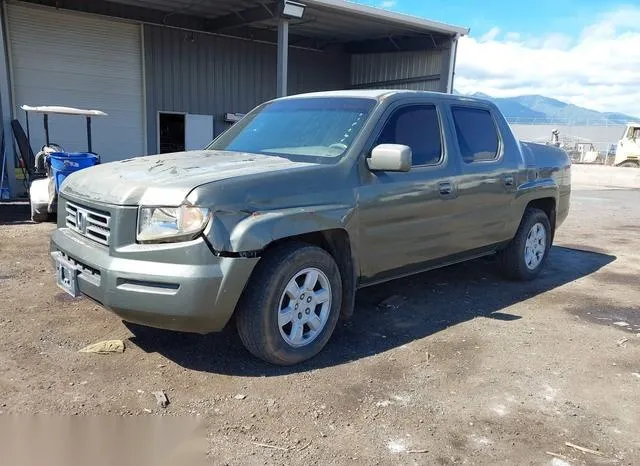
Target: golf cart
[{"x": 52, "y": 164}]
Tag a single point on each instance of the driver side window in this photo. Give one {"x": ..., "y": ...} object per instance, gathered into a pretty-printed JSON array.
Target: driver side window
[{"x": 418, "y": 127}]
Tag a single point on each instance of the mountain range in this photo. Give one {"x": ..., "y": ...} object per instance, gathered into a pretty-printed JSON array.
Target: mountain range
[{"x": 539, "y": 109}]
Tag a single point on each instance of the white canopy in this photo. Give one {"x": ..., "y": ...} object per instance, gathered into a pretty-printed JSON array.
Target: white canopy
[{"x": 62, "y": 110}]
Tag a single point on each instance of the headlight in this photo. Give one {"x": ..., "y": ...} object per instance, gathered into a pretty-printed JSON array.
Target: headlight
[{"x": 168, "y": 224}]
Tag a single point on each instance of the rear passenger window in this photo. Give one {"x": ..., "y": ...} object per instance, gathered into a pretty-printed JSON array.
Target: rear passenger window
[
  {"x": 418, "y": 127},
  {"x": 477, "y": 134}
]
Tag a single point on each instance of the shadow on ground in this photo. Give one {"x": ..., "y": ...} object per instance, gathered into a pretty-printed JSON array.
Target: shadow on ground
[
  {"x": 15, "y": 213},
  {"x": 434, "y": 301}
]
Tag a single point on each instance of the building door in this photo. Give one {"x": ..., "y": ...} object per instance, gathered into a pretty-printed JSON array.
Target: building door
[
  {"x": 178, "y": 132},
  {"x": 171, "y": 129},
  {"x": 78, "y": 60},
  {"x": 198, "y": 131}
]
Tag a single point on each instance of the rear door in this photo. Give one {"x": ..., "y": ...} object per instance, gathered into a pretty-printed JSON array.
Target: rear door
[
  {"x": 404, "y": 217},
  {"x": 488, "y": 179}
]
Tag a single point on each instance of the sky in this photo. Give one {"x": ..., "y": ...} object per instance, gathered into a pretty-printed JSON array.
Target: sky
[{"x": 585, "y": 52}]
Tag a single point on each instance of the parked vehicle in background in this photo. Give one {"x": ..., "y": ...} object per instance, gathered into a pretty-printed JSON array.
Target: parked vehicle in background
[
  {"x": 52, "y": 164},
  {"x": 303, "y": 201},
  {"x": 585, "y": 152},
  {"x": 628, "y": 149}
]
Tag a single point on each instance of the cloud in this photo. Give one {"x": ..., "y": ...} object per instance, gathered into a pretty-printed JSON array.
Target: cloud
[
  {"x": 387, "y": 4},
  {"x": 599, "y": 69},
  {"x": 491, "y": 35}
]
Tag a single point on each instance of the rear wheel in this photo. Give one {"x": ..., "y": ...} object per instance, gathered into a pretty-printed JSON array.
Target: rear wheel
[
  {"x": 629, "y": 164},
  {"x": 291, "y": 304},
  {"x": 527, "y": 252}
]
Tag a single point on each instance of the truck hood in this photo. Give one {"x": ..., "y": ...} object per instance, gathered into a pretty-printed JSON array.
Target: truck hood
[{"x": 167, "y": 179}]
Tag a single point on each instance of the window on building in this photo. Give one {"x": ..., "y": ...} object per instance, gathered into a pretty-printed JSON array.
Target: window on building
[
  {"x": 418, "y": 127},
  {"x": 477, "y": 135}
]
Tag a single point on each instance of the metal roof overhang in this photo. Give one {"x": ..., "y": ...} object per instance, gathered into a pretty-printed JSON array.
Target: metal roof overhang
[{"x": 358, "y": 28}]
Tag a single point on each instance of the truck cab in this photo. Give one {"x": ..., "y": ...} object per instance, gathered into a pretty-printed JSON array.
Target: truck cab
[{"x": 628, "y": 149}]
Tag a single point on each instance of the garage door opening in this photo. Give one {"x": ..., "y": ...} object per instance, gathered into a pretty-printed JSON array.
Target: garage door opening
[{"x": 171, "y": 128}]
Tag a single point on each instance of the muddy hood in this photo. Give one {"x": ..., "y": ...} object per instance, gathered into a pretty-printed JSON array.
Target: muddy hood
[{"x": 166, "y": 179}]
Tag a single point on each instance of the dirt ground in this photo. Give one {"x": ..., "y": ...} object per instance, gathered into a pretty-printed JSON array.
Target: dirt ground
[{"x": 470, "y": 370}]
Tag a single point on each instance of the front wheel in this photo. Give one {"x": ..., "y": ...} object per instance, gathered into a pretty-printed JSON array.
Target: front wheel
[
  {"x": 629, "y": 164},
  {"x": 291, "y": 304},
  {"x": 525, "y": 255}
]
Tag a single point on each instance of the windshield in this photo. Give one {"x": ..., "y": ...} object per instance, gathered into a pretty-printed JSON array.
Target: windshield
[{"x": 308, "y": 127}]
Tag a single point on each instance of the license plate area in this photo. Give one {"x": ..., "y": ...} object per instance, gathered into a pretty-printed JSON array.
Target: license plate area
[{"x": 67, "y": 276}]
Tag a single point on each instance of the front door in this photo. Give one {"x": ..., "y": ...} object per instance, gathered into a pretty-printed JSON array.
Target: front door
[{"x": 405, "y": 217}]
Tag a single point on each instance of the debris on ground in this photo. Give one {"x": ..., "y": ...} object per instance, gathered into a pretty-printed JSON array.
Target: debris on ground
[
  {"x": 104, "y": 347},
  {"x": 557, "y": 455},
  {"x": 240, "y": 396},
  {"x": 305, "y": 446},
  {"x": 583, "y": 449},
  {"x": 397, "y": 446},
  {"x": 622, "y": 341},
  {"x": 635, "y": 374},
  {"x": 393, "y": 303},
  {"x": 161, "y": 398},
  {"x": 621, "y": 324},
  {"x": 273, "y": 447}
]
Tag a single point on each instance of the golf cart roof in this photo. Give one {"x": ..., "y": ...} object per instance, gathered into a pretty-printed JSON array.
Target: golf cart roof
[{"x": 62, "y": 110}]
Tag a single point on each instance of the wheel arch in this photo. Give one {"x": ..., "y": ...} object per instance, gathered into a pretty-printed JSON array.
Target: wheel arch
[
  {"x": 548, "y": 206},
  {"x": 337, "y": 243}
]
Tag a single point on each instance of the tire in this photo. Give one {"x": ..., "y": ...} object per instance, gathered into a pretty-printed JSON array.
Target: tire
[
  {"x": 512, "y": 260},
  {"x": 267, "y": 303},
  {"x": 38, "y": 217},
  {"x": 629, "y": 164}
]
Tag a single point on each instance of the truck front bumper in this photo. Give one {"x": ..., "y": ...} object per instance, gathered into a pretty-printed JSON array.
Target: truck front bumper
[{"x": 185, "y": 297}]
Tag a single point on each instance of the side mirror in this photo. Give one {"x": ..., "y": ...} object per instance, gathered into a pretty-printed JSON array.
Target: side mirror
[{"x": 390, "y": 158}]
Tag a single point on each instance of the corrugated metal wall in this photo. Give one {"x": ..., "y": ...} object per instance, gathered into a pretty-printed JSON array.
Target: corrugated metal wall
[
  {"x": 378, "y": 69},
  {"x": 212, "y": 75}
]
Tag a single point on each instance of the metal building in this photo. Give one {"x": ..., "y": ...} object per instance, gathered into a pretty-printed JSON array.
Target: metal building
[{"x": 172, "y": 74}]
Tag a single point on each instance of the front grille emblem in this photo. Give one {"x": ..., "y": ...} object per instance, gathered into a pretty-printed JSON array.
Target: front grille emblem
[
  {"x": 94, "y": 224},
  {"x": 81, "y": 221}
]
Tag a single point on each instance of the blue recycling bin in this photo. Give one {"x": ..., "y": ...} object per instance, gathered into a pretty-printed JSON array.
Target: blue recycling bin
[{"x": 65, "y": 163}]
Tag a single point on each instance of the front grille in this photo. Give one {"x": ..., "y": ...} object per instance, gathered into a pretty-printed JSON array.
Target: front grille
[{"x": 93, "y": 224}]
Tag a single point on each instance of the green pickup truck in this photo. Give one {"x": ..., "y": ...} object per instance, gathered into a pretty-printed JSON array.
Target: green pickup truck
[{"x": 305, "y": 200}]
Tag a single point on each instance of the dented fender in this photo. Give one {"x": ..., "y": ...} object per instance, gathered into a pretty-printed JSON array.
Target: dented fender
[{"x": 238, "y": 232}]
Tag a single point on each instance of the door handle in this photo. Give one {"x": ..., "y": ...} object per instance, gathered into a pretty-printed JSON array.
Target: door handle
[
  {"x": 446, "y": 188},
  {"x": 508, "y": 180}
]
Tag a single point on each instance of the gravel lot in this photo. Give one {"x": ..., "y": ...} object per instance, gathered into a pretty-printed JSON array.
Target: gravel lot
[{"x": 471, "y": 369}]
